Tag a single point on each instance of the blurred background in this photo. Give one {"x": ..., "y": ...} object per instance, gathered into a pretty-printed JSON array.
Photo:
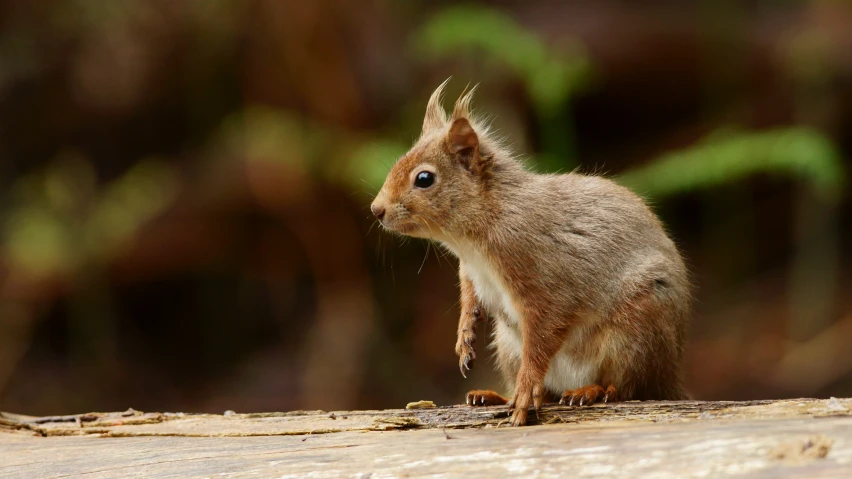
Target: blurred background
[{"x": 184, "y": 189}]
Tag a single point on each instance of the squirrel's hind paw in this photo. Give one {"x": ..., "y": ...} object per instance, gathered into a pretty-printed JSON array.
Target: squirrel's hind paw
[
  {"x": 588, "y": 395},
  {"x": 484, "y": 398}
]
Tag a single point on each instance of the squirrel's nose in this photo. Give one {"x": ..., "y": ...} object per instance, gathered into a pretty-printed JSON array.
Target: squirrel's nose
[{"x": 378, "y": 210}]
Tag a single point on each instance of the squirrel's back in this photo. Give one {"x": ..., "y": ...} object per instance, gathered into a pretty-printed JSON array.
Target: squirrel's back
[{"x": 588, "y": 231}]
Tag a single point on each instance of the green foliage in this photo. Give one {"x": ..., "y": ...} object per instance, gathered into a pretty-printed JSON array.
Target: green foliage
[
  {"x": 550, "y": 75},
  {"x": 267, "y": 134},
  {"x": 264, "y": 134},
  {"x": 371, "y": 162},
  {"x": 127, "y": 203},
  {"x": 727, "y": 157},
  {"x": 37, "y": 241},
  {"x": 59, "y": 221}
]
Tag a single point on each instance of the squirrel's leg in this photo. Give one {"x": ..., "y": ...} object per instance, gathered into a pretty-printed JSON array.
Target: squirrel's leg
[
  {"x": 471, "y": 315},
  {"x": 541, "y": 341},
  {"x": 657, "y": 316},
  {"x": 649, "y": 372}
]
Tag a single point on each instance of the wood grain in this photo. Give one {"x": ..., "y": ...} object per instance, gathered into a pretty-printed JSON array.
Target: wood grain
[{"x": 790, "y": 438}]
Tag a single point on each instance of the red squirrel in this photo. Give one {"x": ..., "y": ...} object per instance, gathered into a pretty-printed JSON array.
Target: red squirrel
[{"x": 588, "y": 294}]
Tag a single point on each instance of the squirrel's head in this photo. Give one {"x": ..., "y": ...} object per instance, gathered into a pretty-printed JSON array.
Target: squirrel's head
[{"x": 435, "y": 188}]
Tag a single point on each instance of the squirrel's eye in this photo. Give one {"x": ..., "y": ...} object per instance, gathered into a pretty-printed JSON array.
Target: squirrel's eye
[{"x": 424, "y": 179}]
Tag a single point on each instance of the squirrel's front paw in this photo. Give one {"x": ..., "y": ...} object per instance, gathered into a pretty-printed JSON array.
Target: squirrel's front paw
[{"x": 465, "y": 342}]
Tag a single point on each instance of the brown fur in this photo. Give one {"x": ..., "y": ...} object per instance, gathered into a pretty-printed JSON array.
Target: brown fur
[{"x": 579, "y": 275}]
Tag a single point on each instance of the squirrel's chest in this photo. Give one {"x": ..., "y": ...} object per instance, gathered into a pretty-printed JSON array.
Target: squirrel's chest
[{"x": 490, "y": 289}]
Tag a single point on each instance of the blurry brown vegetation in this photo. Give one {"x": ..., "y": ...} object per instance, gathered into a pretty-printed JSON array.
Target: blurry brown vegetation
[{"x": 184, "y": 188}]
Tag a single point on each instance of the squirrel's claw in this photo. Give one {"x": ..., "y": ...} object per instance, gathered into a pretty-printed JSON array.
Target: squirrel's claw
[{"x": 467, "y": 363}]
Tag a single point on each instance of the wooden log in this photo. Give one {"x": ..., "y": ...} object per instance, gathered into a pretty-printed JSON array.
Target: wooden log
[{"x": 788, "y": 438}]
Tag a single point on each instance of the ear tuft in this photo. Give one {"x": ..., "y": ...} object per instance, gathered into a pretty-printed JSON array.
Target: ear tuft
[
  {"x": 436, "y": 117},
  {"x": 462, "y": 107}
]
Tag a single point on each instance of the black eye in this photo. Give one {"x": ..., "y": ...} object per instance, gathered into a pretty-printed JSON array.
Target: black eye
[{"x": 424, "y": 179}]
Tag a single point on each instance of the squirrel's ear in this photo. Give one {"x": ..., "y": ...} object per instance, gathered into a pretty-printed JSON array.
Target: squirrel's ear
[
  {"x": 463, "y": 142},
  {"x": 461, "y": 137}
]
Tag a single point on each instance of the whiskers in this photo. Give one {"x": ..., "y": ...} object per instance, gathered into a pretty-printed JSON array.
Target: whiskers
[
  {"x": 441, "y": 254},
  {"x": 373, "y": 225},
  {"x": 428, "y": 247},
  {"x": 407, "y": 226}
]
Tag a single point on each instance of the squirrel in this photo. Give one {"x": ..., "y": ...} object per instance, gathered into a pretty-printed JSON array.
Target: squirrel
[{"x": 588, "y": 294}]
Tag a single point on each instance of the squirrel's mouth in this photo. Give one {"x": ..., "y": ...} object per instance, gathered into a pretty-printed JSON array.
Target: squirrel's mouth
[
  {"x": 398, "y": 227},
  {"x": 407, "y": 228}
]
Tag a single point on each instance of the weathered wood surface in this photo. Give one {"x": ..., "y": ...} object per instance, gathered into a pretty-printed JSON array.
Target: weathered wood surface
[{"x": 791, "y": 438}]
